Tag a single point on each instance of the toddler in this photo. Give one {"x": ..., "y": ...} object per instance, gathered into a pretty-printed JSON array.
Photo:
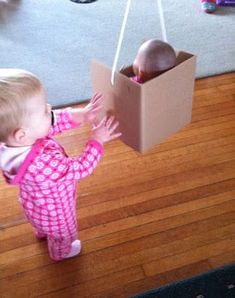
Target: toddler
[{"x": 33, "y": 160}]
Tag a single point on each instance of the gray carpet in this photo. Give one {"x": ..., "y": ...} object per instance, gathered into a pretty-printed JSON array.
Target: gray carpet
[{"x": 56, "y": 39}]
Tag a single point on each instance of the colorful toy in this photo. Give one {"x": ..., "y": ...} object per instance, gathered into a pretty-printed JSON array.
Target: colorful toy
[
  {"x": 208, "y": 6},
  {"x": 225, "y": 2}
]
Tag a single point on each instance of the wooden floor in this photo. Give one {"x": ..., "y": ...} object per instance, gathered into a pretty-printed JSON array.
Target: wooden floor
[{"x": 145, "y": 221}]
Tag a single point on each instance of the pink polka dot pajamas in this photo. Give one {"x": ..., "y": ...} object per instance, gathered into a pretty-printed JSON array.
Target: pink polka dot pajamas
[{"x": 47, "y": 182}]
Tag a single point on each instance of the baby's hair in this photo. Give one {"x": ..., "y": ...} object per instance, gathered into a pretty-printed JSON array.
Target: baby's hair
[{"x": 16, "y": 87}]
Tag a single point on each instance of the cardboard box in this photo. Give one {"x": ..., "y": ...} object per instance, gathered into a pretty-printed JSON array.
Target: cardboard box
[{"x": 148, "y": 113}]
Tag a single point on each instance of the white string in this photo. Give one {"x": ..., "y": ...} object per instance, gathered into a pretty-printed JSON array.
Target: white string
[
  {"x": 162, "y": 21},
  {"x": 120, "y": 40},
  {"x": 163, "y": 29}
]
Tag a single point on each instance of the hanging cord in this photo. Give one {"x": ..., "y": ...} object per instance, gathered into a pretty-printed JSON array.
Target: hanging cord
[
  {"x": 162, "y": 20},
  {"x": 128, "y": 4},
  {"x": 163, "y": 29}
]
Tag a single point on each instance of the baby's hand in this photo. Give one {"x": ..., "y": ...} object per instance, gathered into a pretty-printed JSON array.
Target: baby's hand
[
  {"x": 104, "y": 131},
  {"x": 88, "y": 114},
  {"x": 90, "y": 111}
]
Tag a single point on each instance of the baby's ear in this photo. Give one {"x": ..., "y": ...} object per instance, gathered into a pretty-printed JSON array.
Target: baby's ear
[
  {"x": 141, "y": 75},
  {"x": 135, "y": 68},
  {"x": 19, "y": 135}
]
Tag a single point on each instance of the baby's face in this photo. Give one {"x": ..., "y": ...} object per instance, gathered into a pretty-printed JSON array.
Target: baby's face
[{"x": 38, "y": 122}]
